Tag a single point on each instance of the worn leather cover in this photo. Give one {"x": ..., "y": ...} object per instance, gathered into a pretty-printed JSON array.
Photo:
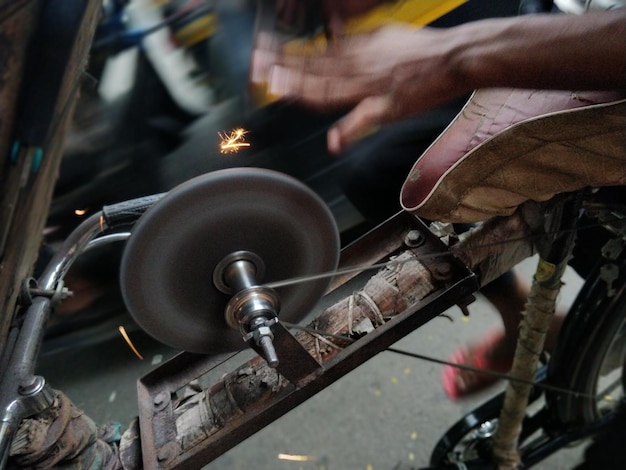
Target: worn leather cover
[{"x": 509, "y": 146}]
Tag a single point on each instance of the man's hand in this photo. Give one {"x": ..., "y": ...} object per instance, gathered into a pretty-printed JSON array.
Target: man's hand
[
  {"x": 392, "y": 73},
  {"x": 398, "y": 70}
]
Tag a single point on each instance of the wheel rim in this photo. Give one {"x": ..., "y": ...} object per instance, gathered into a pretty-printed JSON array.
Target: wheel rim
[{"x": 609, "y": 384}]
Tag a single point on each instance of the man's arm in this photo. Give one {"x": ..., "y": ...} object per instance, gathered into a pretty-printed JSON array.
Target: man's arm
[
  {"x": 399, "y": 71},
  {"x": 543, "y": 51}
]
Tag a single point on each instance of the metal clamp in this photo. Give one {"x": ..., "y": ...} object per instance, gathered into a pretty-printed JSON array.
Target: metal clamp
[{"x": 30, "y": 289}]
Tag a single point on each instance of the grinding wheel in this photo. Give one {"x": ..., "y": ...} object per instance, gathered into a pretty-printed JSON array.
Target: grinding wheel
[{"x": 169, "y": 260}]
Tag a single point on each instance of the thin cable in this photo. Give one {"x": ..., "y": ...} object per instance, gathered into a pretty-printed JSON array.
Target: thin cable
[
  {"x": 422, "y": 257},
  {"x": 318, "y": 333},
  {"x": 492, "y": 373},
  {"x": 352, "y": 269}
]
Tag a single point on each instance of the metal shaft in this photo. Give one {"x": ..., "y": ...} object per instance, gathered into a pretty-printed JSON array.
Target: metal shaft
[{"x": 252, "y": 309}]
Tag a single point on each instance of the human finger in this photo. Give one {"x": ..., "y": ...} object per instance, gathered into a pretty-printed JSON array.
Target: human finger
[
  {"x": 267, "y": 41},
  {"x": 320, "y": 91},
  {"x": 264, "y": 54},
  {"x": 322, "y": 66},
  {"x": 260, "y": 64},
  {"x": 348, "y": 55},
  {"x": 364, "y": 119}
]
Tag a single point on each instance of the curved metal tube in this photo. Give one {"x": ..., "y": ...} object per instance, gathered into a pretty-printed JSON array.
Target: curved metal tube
[
  {"x": 106, "y": 239},
  {"x": 18, "y": 399},
  {"x": 73, "y": 246}
]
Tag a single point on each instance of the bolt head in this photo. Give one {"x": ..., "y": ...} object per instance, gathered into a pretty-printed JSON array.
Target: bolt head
[
  {"x": 161, "y": 399},
  {"x": 413, "y": 238},
  {"x": 442, "y": 271}
]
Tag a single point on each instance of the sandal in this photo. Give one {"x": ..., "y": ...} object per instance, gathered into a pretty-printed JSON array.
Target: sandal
[{"x": 460, "y": 383}]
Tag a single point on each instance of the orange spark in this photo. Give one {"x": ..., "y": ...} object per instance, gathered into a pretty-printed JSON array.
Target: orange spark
[
  {"x": 128, "y": 341},
  {"x": 295, "y": 458},
  {"x": 234, "y": 141}
]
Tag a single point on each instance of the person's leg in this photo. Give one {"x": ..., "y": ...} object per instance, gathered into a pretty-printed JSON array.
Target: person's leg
[
  {"x": 508, "y": 294},
  {"x": 496, "y": 348}
]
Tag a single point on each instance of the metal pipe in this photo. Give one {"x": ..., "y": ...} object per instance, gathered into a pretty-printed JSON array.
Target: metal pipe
[
  {"x": 21, "y": 363},
  {"x": 20, "y": 372},
  {"x": 73, "y": 246},
  {"x": 6, "y": 435},
  {"x": 106, "y": 239}
]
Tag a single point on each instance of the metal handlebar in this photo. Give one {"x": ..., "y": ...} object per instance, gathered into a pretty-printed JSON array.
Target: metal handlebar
[{"x": 23, "y": 394}]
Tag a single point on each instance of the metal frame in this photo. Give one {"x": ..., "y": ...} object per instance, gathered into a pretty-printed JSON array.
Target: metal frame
[{"x": 157, "y": 390}]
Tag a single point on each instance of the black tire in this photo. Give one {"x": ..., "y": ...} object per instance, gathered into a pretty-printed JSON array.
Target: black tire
[
  {"x": 591, "y": 350},
  {"x": 465, "y": 440},
  {"x": 469, "y": 439}
]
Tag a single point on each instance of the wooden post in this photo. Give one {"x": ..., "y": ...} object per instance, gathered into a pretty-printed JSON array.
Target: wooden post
[
  {"x": 537, "y": 318},
  {"x": 554, "y": 252},
  {"x": 26, "y": 188}
]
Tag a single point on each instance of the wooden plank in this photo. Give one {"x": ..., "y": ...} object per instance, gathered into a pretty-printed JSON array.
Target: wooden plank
[{"x": 18, "y": 21}]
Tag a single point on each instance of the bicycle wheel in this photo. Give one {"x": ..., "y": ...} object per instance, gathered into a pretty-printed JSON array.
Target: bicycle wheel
[
  {"x": 591, "y": 357},
  {"x": 468, "y": 441},
  {"x": 470, "y": 437}
]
